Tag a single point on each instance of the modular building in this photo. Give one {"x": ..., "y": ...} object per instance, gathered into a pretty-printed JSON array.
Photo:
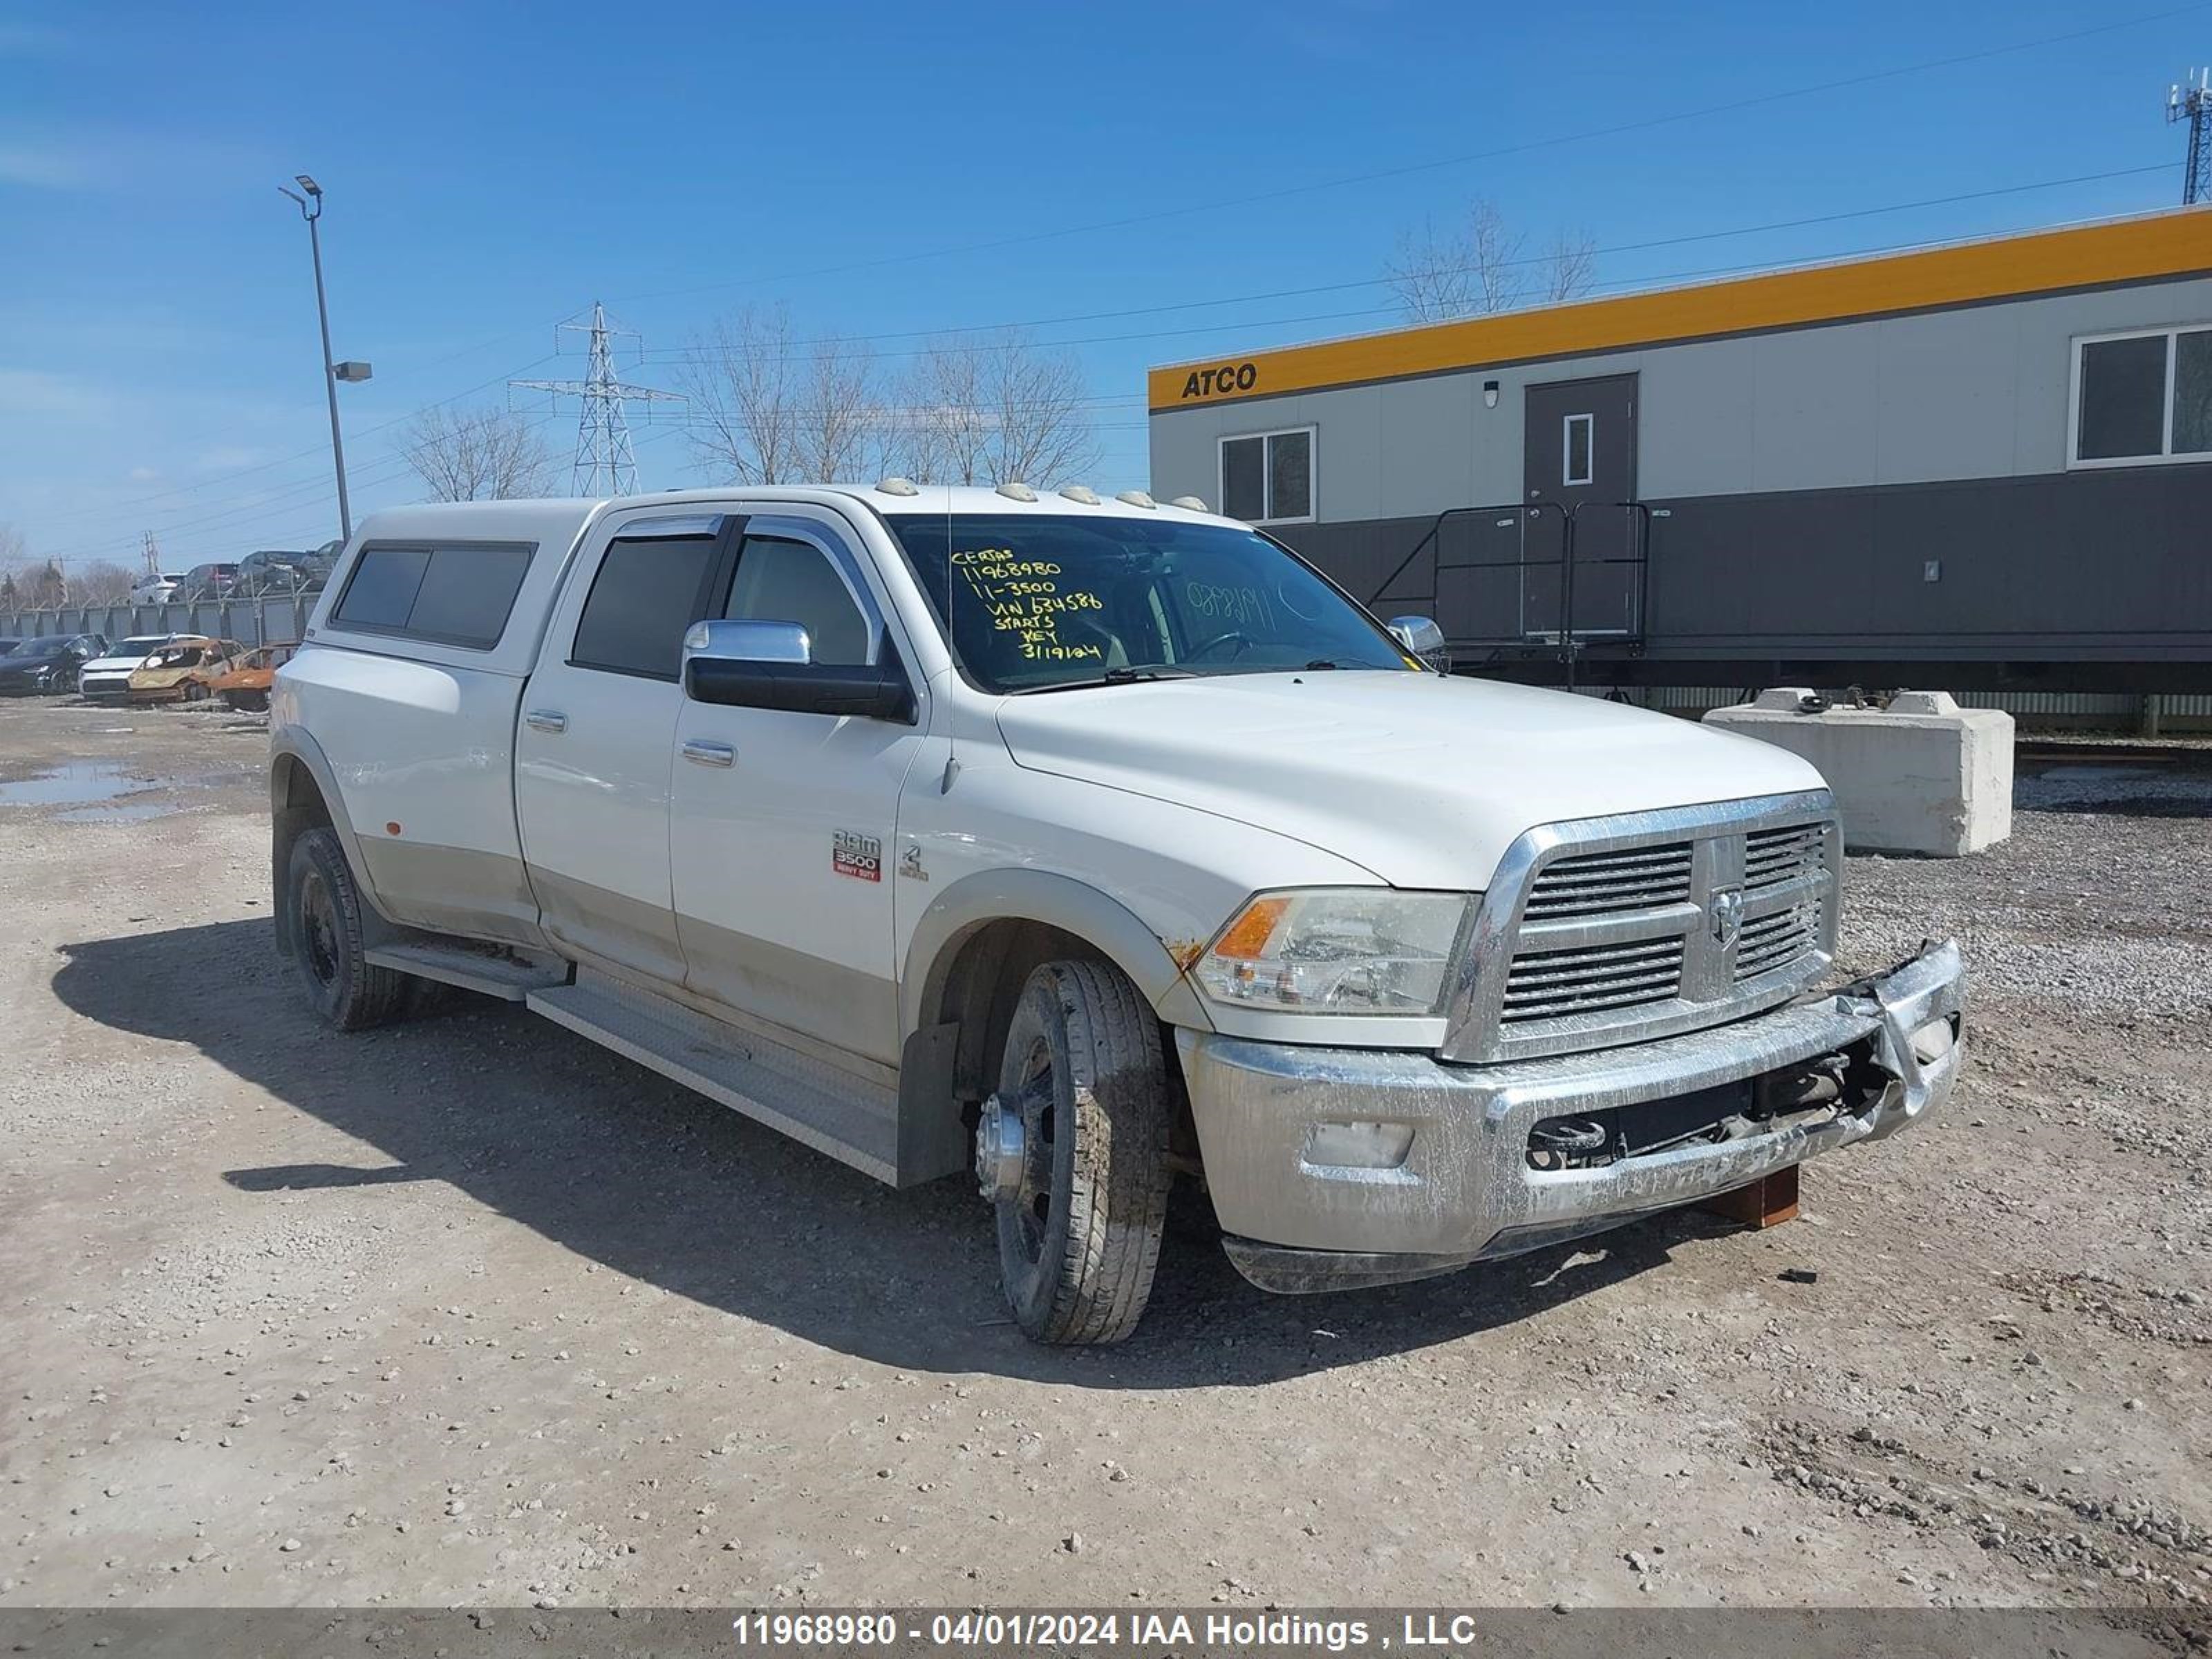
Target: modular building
[{"x": 1983, "y": 465}]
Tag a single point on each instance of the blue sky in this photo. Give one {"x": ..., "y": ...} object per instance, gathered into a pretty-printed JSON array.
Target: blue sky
[{"x": 884, "y": 169}]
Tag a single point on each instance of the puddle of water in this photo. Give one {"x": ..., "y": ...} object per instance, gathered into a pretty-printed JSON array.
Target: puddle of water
[
  {"x": 80, "y": 783},
  {"x": 127, "y": 811}
]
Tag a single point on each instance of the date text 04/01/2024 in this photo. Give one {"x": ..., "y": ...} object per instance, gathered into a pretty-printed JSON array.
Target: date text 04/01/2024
[{"x": 1039, "y": 1627}]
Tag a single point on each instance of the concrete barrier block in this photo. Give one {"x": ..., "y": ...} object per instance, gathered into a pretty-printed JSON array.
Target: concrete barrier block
[{"x": 1922, "y": 776}]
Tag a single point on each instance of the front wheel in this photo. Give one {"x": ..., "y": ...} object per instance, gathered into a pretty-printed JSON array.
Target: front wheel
[
  {"x": 323, "y": 915},
  {"x": 1073, "y": 1151}
]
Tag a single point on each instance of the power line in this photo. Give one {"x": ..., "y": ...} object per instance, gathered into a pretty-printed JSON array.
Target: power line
[
  {"x": 1617, "y": 130},
  {"x": 1647, "y": 246}
]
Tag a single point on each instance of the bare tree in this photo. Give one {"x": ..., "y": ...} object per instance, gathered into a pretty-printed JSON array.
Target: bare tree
[
  {"x": 477, "y": 455},
  {"x": 995, "y": 408},
  {"x": 1569, "y": 267},
  {"x": 101, "y": 582},
  {"x": 1480, "y": 265},
  {"x": 840, "y": 423},
  {"x": 12, "y": 549},
  {"x": 743, "y": 392}
]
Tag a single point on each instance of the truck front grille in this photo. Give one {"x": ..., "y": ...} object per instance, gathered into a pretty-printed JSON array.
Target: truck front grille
[
  {"x": 1546, "y": 984},
  {"x": 1607, "y": 931},
  {"x": 1595, "y": 883},
  {"x": 1776, "y": 941}
]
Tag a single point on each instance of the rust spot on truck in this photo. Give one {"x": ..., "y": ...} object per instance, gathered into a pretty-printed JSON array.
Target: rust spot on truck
[{"x": 1185, "y": 952}]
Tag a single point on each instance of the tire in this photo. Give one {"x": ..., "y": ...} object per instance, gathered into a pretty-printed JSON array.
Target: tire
[
  {"x": 1080, "y": 1233},
  {"x": 324, "y": 915}
]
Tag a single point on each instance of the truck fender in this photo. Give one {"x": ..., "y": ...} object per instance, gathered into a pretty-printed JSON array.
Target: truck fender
[
  {"x": 1057, "y": 900},
  {"x": 296, "y": 745}
]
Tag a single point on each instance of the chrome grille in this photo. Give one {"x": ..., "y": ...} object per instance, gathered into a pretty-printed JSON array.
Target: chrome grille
[
  {"x": 1634, "y": 879},
  {"x": 1546, "y": 984},
  {"x": 1774, "y": 941},
  {"x": 1616, "y": 930},
  {"x": 1781, "y": 854}
]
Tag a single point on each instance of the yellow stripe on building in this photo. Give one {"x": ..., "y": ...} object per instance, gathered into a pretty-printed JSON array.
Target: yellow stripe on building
[{"x": 2167, "y": 245}]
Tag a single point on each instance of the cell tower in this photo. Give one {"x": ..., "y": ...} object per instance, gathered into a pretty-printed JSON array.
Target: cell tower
[
  {"x": 2191, "y": 101},
  {"x": 605, "y": 465}
]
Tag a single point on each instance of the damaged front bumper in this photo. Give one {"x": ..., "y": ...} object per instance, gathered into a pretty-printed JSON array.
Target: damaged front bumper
[{"x": 1430, "y": 1166}]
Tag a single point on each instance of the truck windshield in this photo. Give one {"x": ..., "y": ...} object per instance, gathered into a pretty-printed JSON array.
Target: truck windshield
[{"x": 1040, "y": 602}]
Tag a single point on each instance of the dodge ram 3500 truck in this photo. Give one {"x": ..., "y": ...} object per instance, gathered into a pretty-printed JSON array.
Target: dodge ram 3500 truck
[{"x": 1085, "y": 844}]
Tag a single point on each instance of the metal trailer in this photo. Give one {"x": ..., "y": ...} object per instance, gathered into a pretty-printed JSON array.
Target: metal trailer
[{"x": 1985, "y": 466}]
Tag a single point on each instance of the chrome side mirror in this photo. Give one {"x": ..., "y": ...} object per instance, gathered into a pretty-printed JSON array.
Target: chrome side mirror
[
  {"x": 748, "y": 641},
  {"x": 770, "y": 665},
  {"x": 1422, "y": 638}
]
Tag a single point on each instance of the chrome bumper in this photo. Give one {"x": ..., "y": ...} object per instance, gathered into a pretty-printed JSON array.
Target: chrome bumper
[{"x": 1466, "y": 1189}]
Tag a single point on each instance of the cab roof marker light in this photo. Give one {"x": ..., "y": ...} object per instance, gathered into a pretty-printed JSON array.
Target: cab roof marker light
[
  {"x": 1191, "y": 502},
  {"x": 1082, "y": 494},
  {"x": 1015, "y": 491},
  {"x": 1137, "y": 498},
  {"x": 897, "y": 487}
]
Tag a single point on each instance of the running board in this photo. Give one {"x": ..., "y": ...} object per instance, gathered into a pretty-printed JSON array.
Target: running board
[
  {"x": 851, "y": 1118},
  {"x": 509, "y": 976}
]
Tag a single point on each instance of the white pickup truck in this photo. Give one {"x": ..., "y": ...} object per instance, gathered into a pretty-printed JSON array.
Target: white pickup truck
[{"x": 1087, "y": 844}]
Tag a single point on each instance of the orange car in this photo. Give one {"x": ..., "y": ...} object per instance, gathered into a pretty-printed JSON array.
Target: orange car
[
  {"x": 247, "y": 683},
  {"x": 181, "y": 670}
]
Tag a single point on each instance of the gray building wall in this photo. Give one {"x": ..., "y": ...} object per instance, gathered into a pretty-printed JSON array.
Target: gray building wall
[{"x": 1977, "y": 392}]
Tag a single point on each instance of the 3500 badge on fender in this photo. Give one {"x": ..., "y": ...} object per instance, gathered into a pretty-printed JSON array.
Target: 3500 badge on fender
[{"x": 858, "y": 856}]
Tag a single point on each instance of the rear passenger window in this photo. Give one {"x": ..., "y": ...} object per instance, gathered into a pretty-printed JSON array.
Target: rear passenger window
[
  {"x": 456, "y": 595},
  {"x": 646, "y": 596}
]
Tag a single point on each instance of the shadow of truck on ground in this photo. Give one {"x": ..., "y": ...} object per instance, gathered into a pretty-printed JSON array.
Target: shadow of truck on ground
[{"x": 624, "y": 1168}]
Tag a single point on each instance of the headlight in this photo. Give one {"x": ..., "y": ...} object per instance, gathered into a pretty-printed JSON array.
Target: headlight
[{"x": 1337, "y": 951}]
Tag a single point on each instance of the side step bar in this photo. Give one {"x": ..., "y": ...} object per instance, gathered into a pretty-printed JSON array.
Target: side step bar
[
  {"x": 509, "y": 975},
  {"x": 853, "y": 1119}
]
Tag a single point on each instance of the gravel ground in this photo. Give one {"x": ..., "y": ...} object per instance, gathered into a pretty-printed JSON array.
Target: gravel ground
[{"x": 467, "y": 1310}]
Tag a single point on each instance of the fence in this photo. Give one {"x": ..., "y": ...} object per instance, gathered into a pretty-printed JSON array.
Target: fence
[{"x": 267, "y": 619}]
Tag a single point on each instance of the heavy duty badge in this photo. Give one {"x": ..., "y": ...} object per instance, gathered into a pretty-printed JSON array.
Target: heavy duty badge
[{"x": 858, "y": 856}]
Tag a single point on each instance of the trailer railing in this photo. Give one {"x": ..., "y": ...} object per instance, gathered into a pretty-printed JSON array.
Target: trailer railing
[{"x": 1545, "y": 590}]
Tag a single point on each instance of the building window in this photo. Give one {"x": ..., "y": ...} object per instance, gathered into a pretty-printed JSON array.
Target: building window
[
  {"x": 1266, "y": 477},
  {"x": 1578, "y": 449},
  {"x": 2144, "y": 396}
]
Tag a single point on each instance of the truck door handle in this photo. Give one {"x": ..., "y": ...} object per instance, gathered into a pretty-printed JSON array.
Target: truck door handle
[
  {"x": 709, "y": 754},
  {"x": 546, "y": 720}
]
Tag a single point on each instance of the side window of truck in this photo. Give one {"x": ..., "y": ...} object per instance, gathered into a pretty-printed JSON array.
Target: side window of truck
[
  {"x": 454, "y": 594},
  {"x": 649, "y": 590},
  {"x": 789, "y": 581}
]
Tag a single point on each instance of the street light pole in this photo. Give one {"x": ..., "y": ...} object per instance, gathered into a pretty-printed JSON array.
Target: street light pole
[{"x": 310, "y": 209}]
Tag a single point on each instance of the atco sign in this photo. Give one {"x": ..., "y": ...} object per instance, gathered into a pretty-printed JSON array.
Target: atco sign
[{"x": 1230, "y": 377}]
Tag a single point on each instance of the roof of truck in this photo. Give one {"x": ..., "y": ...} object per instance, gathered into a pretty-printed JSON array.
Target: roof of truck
[{"x": 561, "y": 519}]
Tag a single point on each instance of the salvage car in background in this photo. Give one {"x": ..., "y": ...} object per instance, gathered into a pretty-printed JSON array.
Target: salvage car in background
[
  {"x": 155, "y": 587},
  {"x": 181, "y": 670},
  {"x": 43, "y": 667},
  {"x": 107, "y": 679},
  {"x": 206, "y": 581},
  {"x": 244, "y": 682}
]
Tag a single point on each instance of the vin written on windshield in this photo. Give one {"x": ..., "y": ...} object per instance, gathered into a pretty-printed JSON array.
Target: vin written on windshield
[{"x": 1037, "y": 602}]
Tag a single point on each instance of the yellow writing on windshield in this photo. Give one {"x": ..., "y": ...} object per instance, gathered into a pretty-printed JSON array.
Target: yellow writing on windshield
[{"x": 1024, "y": 597}]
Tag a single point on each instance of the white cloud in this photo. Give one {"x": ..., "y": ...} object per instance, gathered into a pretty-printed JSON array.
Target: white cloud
[{"x": 142, "y": 474}]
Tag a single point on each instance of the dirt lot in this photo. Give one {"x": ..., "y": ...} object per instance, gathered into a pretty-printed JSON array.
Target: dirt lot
[{"x": 466, "y": 1311}]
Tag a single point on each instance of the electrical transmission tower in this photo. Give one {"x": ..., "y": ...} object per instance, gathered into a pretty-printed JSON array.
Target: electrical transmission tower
[
  {"x": 605, "y": 464},
  {"x": 2191, "y": 101},
  {"x": 153, "y": 555}
]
